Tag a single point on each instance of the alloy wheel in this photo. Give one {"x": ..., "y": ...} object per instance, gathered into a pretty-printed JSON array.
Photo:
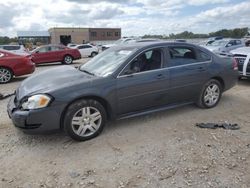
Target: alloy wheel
[
  {"x": 5, "y": 75},
  {"x": 86, "y": 121},
  {"x": 212, "y": 94},
  {"x": 68, "y": 60}
]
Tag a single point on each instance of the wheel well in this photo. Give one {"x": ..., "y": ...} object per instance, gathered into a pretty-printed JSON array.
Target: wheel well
[
  {"x": 8, "y": 69},
  {"x": 221, "y": 81},
  {"x": 103, "y": 102},
  {"x": 68, "y": 55}
]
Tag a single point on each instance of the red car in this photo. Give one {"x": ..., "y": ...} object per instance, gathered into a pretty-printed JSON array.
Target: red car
[
  {"x": 55, "y": 53},
  {"x": 14, "y": 65}
]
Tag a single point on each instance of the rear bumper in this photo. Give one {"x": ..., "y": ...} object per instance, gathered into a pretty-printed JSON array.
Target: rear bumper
[
  {"x": 34, "y": 121},
  {"x": 231, "y": 80}
]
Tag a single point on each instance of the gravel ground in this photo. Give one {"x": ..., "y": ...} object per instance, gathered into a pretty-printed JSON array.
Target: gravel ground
[{"x": 164, "y": 149}]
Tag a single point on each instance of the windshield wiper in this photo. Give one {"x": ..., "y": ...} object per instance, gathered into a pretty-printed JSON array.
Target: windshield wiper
[{"x": 87, "y": 72}]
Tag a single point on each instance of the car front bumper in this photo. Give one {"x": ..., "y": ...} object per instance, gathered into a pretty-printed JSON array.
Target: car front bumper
[
  {"x": 241, "y": 74},
  {"x": 34, "y": 121}
]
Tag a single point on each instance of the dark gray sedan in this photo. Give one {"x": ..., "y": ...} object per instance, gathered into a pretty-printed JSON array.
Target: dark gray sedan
[{"x": 124, "y": 81}]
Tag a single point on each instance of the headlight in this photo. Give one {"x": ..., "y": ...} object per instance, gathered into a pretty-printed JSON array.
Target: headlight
[{"x": 36, "y": 102}]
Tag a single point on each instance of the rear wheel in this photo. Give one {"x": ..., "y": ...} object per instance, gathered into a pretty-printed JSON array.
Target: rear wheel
[
  {"x": 93, "y": 54},
  {"x": 5, "y": 75},
  {"x": 210, "y": 94},
  {"x": 68, "y": 60},
  {"x": 84, "y": 119}
]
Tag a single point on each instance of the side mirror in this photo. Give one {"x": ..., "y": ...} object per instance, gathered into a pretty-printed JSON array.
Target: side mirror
[
  {"x": 229, "y": 45},
  {"x": 37, "y": 52}
]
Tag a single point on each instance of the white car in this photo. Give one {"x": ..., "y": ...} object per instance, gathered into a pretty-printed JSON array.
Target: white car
[
  {"x": 224, "y": 46},
  {"x": 87, "y": 50},
  {"x": 17, "y": 49},
  {"x": 242, "y": 56}
]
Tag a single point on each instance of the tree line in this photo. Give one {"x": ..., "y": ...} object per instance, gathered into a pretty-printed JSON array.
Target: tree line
[{"x": 226, "y": 33}]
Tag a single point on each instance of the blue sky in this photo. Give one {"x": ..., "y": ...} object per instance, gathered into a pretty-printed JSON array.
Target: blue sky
[{"x": 135, "y": 17}]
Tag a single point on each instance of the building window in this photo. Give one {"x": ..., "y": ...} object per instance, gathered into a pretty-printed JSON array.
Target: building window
[
  {"x": 109, "y": 34},
  {"x": 103, "y": 34},
  {"x": 93, "y": 34},
  {"x": 117, "y": 34}
]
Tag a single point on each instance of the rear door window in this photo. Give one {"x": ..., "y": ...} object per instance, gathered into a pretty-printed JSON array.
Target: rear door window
[
  {"x": 238, "y": 42},
  {"x": 204, "y": 56},
  {"x": 182, "y": 56}
]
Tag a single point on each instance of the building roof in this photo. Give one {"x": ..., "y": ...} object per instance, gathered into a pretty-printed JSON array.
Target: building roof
[{"x": 33, "y": 34}]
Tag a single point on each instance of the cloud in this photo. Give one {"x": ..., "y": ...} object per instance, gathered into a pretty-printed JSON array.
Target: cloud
[
  {"x": 98, "y": 1},
  {"x": 137, "y": 17}
]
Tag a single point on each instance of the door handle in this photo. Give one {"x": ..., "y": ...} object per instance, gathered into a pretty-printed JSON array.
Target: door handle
[
  {"x": 160, "y": 76},
  {"x": 201, "y": 69}
]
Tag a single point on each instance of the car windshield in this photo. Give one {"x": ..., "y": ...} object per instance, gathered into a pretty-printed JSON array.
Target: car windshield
[
  {"x": 107, "y": 62},
  {"x": 219, "y": 43}
]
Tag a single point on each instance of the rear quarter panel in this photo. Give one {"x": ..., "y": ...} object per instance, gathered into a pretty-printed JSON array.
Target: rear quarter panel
[
  {"x": 223, "y": 68},
  {"x": 19, "y": 65}
]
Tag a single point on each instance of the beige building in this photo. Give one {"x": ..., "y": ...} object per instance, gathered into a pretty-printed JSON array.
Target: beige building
[{"x": 65, "y": 35}]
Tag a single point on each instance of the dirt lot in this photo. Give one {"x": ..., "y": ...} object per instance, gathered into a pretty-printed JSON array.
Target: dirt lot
[{"x": 159, "y": 150}]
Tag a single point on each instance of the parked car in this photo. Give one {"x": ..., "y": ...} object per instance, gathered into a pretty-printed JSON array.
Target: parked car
[
  {"x": 223, "y": 47},
  {"x": 242, "y": 55},
  {"x": 18, "y": 49},
  {"x": 213, "y": 39},
  {"x": 121, "y": 82},
  {"x": 70, "y": 45},
  {"x": 87, "y": 50},
  {"x": 14, "y": 65},
  {"x": 146, "y": 40},
  {"x": 118, "y": 42},
  {"x": 54, "y": 53}
]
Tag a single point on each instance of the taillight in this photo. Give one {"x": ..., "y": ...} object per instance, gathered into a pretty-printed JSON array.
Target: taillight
[{"x": 235, "y": 64}]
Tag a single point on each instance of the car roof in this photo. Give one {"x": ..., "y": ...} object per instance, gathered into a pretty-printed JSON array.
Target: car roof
[
  {"x": 141, "y": 45},
  {"x": 51, "y": 45}
]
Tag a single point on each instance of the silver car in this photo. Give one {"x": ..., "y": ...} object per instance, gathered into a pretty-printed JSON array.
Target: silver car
[{"x": 225, "y": 46}]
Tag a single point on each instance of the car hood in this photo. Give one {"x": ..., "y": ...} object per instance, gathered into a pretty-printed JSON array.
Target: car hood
[
  {"x": 51, "y": 80},
  {"x": 241, "y": 51},
  {"x": 213, "y": 48}
]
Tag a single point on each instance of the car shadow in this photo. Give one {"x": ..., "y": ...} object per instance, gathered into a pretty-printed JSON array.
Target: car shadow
[
  {"x": 244, "y": 82},
  {"x": 19, "y": 79}
]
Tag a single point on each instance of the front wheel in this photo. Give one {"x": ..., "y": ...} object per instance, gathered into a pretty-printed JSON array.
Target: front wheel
[
  {"x": 84, "y": 119},
  {"x": 210, "y": 94},
  {"x": 5, "y": 75},
  {"x": 67, "y": 60}
]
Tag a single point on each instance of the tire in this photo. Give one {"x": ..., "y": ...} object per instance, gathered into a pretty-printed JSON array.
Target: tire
[
  {"x": 6, "y": 75},
  {"x": 84, "y": 119},
  {"x": 68, "y": 59},
  {"x": 93, "y": 54},
  {"x": 210, "y": 94}
]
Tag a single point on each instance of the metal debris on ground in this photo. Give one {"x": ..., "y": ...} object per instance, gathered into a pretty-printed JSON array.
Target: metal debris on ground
[
  {"x": 2, "y": 96},
  {"x": 234, "y": 126}
]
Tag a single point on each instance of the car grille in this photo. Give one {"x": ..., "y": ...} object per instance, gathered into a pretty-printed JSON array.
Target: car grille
[{"x": 241, "y": 59}]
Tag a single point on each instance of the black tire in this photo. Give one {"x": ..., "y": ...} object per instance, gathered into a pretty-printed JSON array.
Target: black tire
[
  {"x": 6, "y": 75},
  {"x": 202, "y": 103},
  {"x": 73, "y": 110},
  {"x": 93, "y": 54},
  {"x": 68, "y": 59}
]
